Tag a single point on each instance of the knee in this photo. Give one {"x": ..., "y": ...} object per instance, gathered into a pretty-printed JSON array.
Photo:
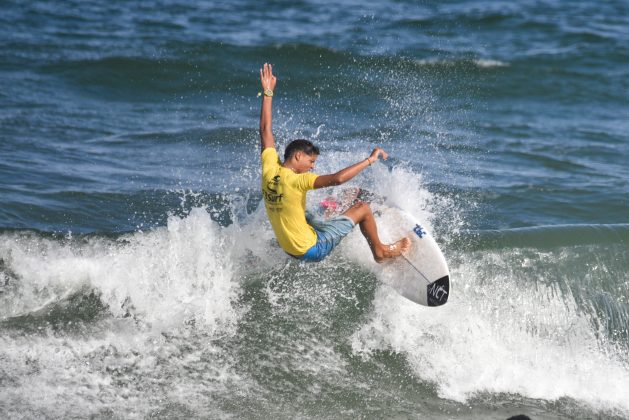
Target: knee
[
  {"x": 359, "y": 212},
  {"x": 362, "y": 207}
]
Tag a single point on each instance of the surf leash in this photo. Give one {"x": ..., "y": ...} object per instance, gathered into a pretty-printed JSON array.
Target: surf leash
[{"x": 416, "y": 269}]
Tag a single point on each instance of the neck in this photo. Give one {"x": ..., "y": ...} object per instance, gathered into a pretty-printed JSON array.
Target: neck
[{"x": 287, "y": 165}]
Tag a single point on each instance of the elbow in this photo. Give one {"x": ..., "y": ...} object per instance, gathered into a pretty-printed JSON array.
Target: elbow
[{"x": 339, "y": 179}]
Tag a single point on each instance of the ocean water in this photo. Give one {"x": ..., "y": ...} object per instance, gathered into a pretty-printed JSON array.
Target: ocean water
[{"x": 139, "y": 277}]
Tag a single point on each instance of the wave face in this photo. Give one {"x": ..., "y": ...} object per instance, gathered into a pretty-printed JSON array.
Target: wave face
[
  {"x": 204, "y": 312},
  {"x": 140, "y": 278}
]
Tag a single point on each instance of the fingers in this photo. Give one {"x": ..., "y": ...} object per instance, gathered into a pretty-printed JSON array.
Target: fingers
[
  {"x": 266, "y": 76},
  {"x": 266, "y": 71},
  {"x": 378, "y": 151},
  {"x": 263, "y": 72}
]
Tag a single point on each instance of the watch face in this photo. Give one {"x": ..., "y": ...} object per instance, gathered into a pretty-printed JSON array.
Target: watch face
[{"x": 268, "y": 92}]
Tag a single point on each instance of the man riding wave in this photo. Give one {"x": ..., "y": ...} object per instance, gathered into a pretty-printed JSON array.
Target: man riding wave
[{"x": 284, "y": 188}]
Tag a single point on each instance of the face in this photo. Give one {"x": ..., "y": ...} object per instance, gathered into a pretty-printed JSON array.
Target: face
[{"x": 304, "y": 162}]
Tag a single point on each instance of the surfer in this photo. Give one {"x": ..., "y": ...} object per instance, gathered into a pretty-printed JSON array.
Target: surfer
[{"x": 284, "y": 187}]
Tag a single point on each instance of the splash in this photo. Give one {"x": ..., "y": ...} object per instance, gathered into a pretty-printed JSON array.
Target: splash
[
  {"x": 176, "y": 275},
  {"x": 514, "y": 324}
]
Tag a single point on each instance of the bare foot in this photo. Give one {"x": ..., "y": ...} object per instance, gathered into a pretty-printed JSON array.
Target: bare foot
[{"x": 394, "y": 250}]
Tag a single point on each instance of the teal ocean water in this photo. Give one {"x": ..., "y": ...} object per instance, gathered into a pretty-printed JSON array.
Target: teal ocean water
[{"x": 139, "y": 277}]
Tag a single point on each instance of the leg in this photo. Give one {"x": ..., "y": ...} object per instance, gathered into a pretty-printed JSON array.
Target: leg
[{"x": 361, "y": 213}]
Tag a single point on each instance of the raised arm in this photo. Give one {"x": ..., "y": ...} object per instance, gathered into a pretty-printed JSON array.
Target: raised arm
[
  {"x": 266, "y": 114},
  {"x": 350, "y": 172}
]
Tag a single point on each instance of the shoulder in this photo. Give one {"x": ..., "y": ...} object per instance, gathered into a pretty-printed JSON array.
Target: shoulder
[
  {"x": 306, "y": 180},
  {"x": 269, "y": 156},
  {"x": 268, "y": 151}
]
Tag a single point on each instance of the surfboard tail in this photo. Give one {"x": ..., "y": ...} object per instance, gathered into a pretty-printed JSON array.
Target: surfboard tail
[{"x": 438, "y": 291}]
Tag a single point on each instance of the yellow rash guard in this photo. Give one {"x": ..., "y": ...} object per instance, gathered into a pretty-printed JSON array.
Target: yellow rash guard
[{"x": 284, "y": 195}]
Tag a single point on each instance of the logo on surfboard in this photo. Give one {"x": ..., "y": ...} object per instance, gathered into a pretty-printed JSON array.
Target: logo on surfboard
[
  {"x": 419, "y": 230},
  {"x": 438, "y": 291}
]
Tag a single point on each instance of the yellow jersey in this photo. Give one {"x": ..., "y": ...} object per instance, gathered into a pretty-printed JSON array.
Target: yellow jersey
[{"x": 284, "y": 194}]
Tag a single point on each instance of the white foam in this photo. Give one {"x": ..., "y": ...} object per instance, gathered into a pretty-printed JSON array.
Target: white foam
[
  {"x": 502, "y": 330},
  {"x": 482, "y": 63},
  {"x": 123, "y": 371},
  {"x": 488, "y": 63},
  {"x": 499, "y": 333},
  {"x": 166, "y": 277}
]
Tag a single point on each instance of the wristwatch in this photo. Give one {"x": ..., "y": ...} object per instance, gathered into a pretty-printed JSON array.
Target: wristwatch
[{"x": 268, "y": 92}]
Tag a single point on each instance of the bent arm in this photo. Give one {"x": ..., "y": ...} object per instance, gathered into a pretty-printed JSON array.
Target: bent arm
[
  {"x": 350, "y": 172},
  {"x": 266, "y": 114}
]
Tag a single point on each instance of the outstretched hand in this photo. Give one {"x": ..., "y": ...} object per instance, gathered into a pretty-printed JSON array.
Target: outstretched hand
[
  {"x": 378, "y": 151},
  {"x": 267, "y": 78}
]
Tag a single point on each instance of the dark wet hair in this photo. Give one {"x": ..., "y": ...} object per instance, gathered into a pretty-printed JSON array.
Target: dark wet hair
[{"x": 300, "y": 145}]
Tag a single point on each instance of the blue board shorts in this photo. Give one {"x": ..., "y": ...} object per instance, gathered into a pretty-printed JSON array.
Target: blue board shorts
[{"x": 329, "y": 234}]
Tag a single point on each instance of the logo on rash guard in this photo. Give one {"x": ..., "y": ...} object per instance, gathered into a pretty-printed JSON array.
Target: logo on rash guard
[{"x": 271, "y": 194}]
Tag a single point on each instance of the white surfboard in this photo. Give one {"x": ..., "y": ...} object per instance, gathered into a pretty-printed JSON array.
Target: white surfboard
[{"x": 421, "y": 274}]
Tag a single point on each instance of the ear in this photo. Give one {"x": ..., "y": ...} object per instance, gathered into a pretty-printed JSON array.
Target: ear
[{"x": 298, "y": 155}]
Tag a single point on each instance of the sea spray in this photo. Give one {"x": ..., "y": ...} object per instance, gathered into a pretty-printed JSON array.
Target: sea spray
[
  {"x": 166, "y": 277},
  {"x": 511, "y": 325}
]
